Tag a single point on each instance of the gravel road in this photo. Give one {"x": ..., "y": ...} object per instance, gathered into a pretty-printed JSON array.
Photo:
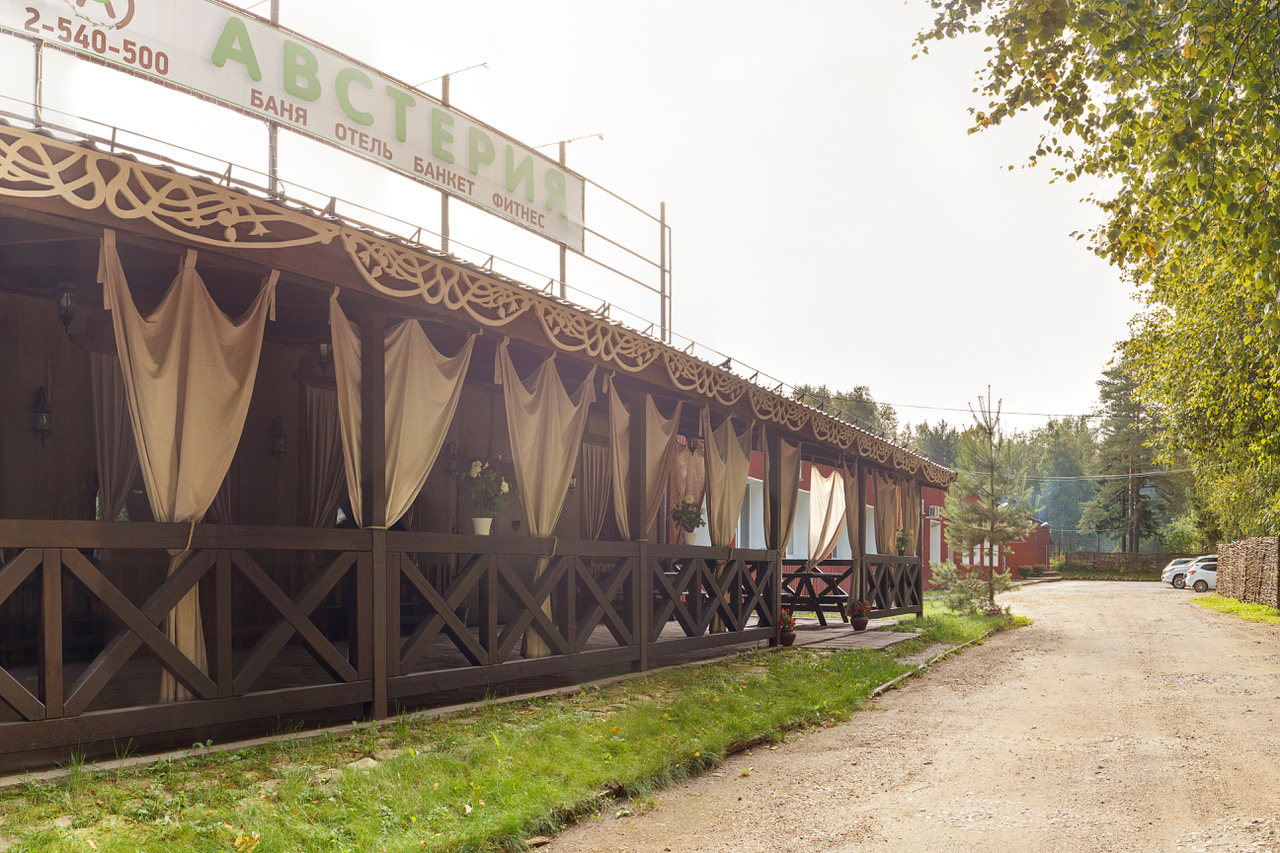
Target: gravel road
[{"x": 1124, "y": 719}]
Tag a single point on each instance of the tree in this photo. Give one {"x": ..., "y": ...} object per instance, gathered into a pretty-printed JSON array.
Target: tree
[
  {"x": 857, "y": 407},
  {"x": 1214, "y": 376},
  {"x": 989, "y": 505},
  {"x": 937, "y": 443},
  {"x": 1123, "y": 505},
  {"x": 1173, "y": 106},
  {"x": 1174, "y": 102},
  {"x": 1063, "y": 454}
]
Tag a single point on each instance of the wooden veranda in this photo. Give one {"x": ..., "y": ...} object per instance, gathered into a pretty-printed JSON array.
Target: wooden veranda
[{"x": 371, "y": 620}]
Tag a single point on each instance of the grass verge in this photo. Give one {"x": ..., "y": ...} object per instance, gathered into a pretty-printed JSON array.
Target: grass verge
[
  {"x": 483, "y": 780},
  {"x": 1243, "y": 610},
  {"x": 1102, "y": 575}
]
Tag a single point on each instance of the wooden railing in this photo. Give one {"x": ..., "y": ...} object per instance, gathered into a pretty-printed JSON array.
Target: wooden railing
[
  {"x": 892, "y": 585},
  {"x": 382, "y": 618}
]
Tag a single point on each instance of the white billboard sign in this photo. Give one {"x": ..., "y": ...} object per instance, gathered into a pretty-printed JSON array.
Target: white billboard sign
[{"x": 242, "y": 62}]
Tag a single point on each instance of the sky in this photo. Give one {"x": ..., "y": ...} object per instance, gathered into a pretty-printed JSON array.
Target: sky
[{"x": 832, "y": 220}]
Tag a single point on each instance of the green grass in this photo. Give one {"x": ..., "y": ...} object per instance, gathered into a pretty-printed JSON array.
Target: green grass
[
  {"x": 1250, "y": 612},
  {"x": 482, "y": 780}
]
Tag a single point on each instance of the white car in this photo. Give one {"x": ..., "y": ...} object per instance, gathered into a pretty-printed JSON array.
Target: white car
[
  {"x": 1177, "y": 574},
  {"x": 1202, "y": 577}
]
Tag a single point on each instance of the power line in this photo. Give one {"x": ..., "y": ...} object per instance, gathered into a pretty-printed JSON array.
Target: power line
[
  {"x": 954, "y": 409},
  {"x": 1133, "y": 476}
]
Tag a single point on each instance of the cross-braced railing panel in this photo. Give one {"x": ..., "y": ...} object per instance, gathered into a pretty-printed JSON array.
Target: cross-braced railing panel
[
  {"x": 893, "y": 585},
  {"x": 605, "y": 599},
  {"x": 443, "y": 607},
  {"x": 384, "y": 616},
  {"x": 295, "y": 618},
  {"x": 12, "y": 575}
]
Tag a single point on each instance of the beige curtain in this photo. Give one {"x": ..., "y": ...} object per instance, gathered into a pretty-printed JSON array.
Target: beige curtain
[
  {"x": 117, "y": 454},
  {"x": 660, "y": 459},
  {"x": 826, "y": 514},
  {"x": 422, "y": 392},
  {"x": 324, "y": 440},
  {"x": 910, "y": 492},
  {"x": 886, "y": 513},
  {"x": 789, "y": 477},
  {"x": 855, "y": 522},
  {"x": 597, "y": 477},
  {"x": 545, "y": 423},
  {"x": 189, "y": 372},
  {"x": 688, "y": 477},
  {"x": 728, "y": 463}
]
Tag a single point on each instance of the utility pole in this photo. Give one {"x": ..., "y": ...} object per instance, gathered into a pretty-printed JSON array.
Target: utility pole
[{"x": 273, "y": 129}]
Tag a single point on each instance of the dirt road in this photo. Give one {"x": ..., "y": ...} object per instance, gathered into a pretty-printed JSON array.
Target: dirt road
[{"x": 1124, "y": 719}]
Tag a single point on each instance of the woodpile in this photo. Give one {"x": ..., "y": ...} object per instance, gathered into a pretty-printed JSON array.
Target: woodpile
[{"x": 1249, "y": 570}]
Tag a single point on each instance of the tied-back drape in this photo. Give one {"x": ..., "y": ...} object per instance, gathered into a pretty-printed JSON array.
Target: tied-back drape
[
  {"x": 324, "y": 445},
  {"x": 597, "y": 477},
  {"x": 117, "y": 454},
  {"x": 660, "y": 459},
  {"x": 688, "y": 478},
  {"x": 422, "y": 392},
  {"x": 911, "y": 514},
  {"x": 855, "y": 520},
  {"x": 886, "y": 513},
  {"x": 189, "y": 372},
  {"x": 826, "y": 514},
  {"x": 546, "y": 424},
  {"x": 788, "y": 468},
  {"x": 728, "y": 464}
]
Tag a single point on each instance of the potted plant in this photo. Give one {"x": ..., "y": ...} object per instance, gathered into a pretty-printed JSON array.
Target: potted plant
[
  {"x": 1024, "y": 571},
  {"x": 786, "y": 627},
  {"x": 687, "y": 514},
  {"x": 489, "y": 492},
  {"x": 902, "y": 541},
  {"x": 858, "y": 613}
]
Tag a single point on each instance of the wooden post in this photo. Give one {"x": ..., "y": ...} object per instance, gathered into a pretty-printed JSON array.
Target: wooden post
[
  {"x": 858, "y": 538},
  {"x": 373, "y": 476},
  {"x": 642, "y": 606},
  {"x": 637, "y": 497},
  {"x": 50, "y": 656},
  {"x": 773, "y": 535}
]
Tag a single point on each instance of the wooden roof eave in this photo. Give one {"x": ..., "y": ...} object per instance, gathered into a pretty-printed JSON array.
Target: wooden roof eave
[{"x": 81, "y": 184}]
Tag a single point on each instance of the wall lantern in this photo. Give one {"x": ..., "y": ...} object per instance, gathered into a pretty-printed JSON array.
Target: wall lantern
[
  {"x": 279, "y": 440},
  {"x": 573, "y": 483},
  {"x": 324, "y": 353},
  {"x": 42, "y": 418},
  {"x": 65, "y": 296},
  {"x": 451, "y": 458}
]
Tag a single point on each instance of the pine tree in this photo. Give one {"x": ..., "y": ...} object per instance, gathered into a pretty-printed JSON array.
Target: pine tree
[
  {"x": 989, "y": 504},
  {"x": 1124, "y": 506}
]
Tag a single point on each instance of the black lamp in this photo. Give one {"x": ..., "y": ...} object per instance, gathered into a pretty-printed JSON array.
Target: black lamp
[
  {"x": 451, "y": 458},
  {"x": 42, "y": 424},
  {"x": 65, "y": 296},
  {"x": 279, "y": 440}
]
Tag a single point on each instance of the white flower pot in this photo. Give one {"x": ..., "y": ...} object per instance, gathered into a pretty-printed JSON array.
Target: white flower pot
[
  {"x": 689, "y": 536},
  {"x": 481, "y": 526}
]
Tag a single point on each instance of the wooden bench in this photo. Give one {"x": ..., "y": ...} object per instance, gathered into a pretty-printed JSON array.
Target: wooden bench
[{"x": 813, "y": 589}]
